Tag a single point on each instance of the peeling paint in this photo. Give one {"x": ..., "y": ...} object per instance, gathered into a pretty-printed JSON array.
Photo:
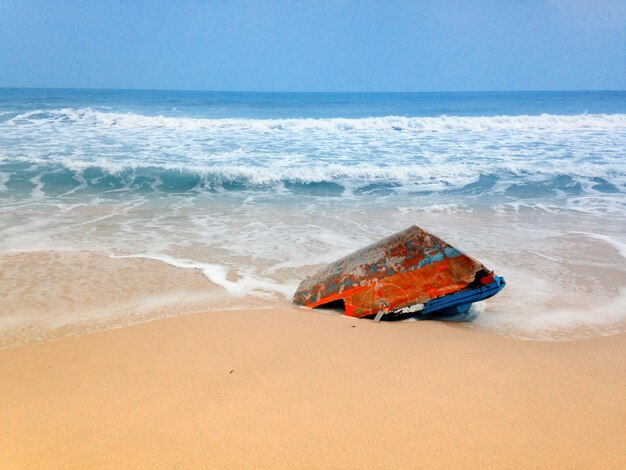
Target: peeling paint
[{"x": 396, "y": 274}]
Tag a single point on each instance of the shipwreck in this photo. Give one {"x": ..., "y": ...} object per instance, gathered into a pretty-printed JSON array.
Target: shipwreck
[{"x": 410, "y": 273}]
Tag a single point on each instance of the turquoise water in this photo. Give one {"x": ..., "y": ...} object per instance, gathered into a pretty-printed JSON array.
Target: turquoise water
[
  {"x": 525, "y": 145},
  {"x": 255, "y": 187}
]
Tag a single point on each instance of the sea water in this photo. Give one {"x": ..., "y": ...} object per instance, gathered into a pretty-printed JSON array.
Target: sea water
[{"x": 253, "y": 191}]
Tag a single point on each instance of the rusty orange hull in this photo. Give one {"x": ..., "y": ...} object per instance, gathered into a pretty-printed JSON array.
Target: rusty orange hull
[{"x": 410, "y": 271}]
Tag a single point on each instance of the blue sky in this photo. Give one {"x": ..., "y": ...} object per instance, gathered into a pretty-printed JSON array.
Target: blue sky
[{"x": 315, "y": 45}]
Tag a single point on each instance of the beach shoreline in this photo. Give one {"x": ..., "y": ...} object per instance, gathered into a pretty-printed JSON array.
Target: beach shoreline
[{"x": 289, "y": 387}]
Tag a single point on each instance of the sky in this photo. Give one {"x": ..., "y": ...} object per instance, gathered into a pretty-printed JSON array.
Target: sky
[{"x": 337, "y": 45}]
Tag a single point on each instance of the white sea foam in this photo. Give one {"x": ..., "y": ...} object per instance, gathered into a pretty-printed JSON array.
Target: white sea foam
[
  {"x": 605, "y": 316},
  {"x": 387, "y": 123},
  {"x": 618, "y": 245},
  {"x": 419, "y": 153},
  {"x": 4, "y": 178},
  {"x": 218, "y": 274}
]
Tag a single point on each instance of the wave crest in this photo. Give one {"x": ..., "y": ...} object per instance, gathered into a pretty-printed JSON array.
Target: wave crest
[{"x": 387, "y": 123}]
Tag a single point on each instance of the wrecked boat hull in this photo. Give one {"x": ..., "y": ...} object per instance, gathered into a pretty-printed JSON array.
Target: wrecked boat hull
[{"x": 410, "y": 273}]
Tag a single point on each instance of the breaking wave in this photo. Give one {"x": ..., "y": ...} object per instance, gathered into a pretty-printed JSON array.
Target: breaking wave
[
  {"x": 42, "y": 179},
  {"x": 519, "y": 156},
  {"x": 88, "y": 116}
]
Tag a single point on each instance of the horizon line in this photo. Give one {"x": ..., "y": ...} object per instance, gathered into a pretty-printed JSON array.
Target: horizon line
[{"x": 191, "y": 90}]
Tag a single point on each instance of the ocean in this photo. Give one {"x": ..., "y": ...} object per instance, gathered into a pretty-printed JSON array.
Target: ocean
[{"x": 118, "y": 207}]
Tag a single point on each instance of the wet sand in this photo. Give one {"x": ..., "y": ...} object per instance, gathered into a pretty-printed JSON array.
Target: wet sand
[{"x": 292, "y": 388}]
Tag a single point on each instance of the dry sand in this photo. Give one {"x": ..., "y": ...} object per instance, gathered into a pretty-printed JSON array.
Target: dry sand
[{"x": 293, "y": 388}]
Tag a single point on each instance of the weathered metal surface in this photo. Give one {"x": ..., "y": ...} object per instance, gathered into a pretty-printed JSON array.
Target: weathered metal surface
[{"x": 397, "y": 274}]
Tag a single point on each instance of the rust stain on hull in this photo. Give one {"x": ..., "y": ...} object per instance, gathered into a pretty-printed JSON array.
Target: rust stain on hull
[{"x": 407, "y": 269}]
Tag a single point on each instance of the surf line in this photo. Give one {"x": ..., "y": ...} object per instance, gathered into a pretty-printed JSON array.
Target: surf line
[
  {"x": 619, "y": 246},
  {"x": 218, "y": 274}
]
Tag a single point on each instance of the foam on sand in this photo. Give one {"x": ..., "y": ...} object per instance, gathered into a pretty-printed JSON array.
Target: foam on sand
[
  {"x": 618, "y": 245},
  {"x": 218, "y": 274}
]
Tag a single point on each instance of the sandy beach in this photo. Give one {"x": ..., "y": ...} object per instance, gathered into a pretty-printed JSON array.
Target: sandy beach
[{"x": 289, "y": 387}]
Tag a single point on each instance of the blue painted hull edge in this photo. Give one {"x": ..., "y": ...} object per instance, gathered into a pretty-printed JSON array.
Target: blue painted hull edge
[{"x": 458, "y": 301}]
